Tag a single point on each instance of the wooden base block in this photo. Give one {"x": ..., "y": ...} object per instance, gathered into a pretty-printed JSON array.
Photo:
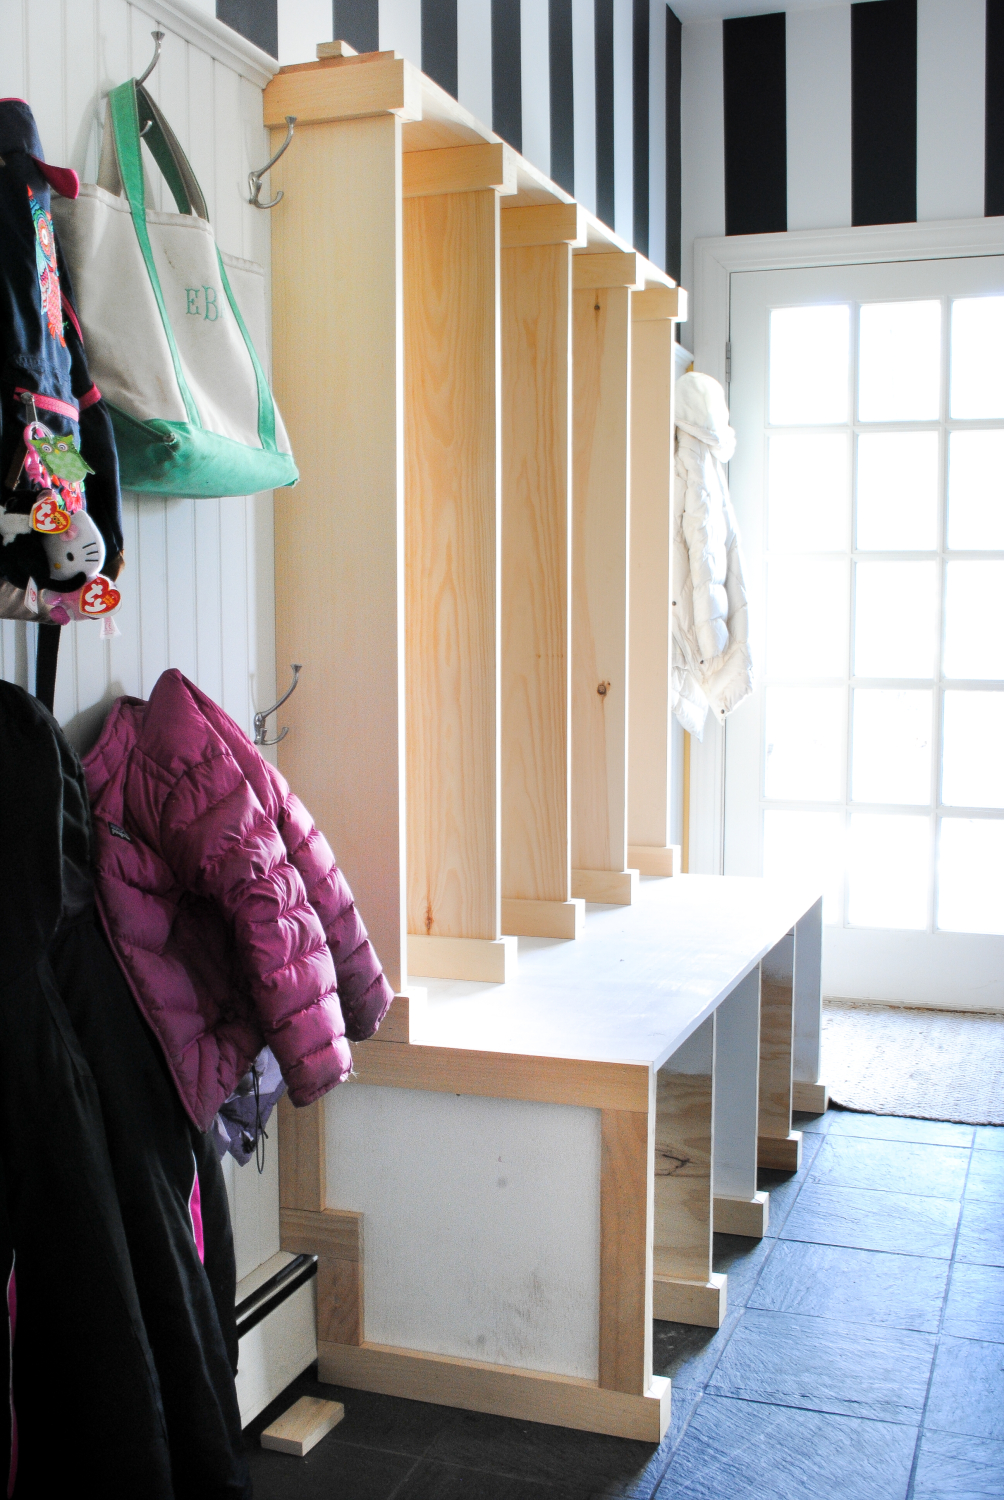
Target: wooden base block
[
  {"x": 528, "y": 1395},
  {"x": 398, "y": 1025},
  {"x": 701, "y": 1303},
  {"x": 746, "y": 1216},
  {"x": 610, "y": 887},
  {"x": 810, "y": 1098},
  {"x": 784, "y": 1155},
  {"x": 557, "y": 919},
  {"x": 302, "y": 1427},
  {"x": 649, "y": 859},
  {"x": 493, "y": 962}
]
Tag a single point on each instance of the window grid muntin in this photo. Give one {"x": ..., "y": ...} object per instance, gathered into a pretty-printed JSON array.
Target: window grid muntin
[{"x": 936, "y": 811}]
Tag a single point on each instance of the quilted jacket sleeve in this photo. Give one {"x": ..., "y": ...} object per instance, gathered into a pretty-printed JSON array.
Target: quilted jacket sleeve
[
  {"x": 365, "y": 994},
  {"x": 223, "y": 846}
]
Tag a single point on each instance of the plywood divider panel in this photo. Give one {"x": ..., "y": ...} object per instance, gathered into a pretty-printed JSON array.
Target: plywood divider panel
[
  {"x": 452, "y": 483},
  {"x": 809, "y": 1004},
  {"x": 601, "y": 343},
  {"x": 778, "y": 1145},
  {"x": 339, "y": 564},
  {"x": 536, "y": 577},
  {"x": 302, "y": 1170},
  {"x": 626, "y": 1213},
  {"x": 685, "y": 1290},
  {"x": 650, "y": 703}
]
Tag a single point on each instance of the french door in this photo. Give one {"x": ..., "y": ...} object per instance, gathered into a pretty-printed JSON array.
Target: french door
[{"x": 868, "y": 484}]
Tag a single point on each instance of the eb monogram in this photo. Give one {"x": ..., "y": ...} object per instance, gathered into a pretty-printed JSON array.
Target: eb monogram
[{"x": 208, "y": 308}]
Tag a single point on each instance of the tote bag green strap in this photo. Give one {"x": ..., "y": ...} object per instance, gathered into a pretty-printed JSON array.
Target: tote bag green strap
[{"x": 130, "y": 107}]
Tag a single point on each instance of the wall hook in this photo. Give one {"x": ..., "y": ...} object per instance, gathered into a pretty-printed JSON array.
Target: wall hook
[
  {"x": 158, "y": 42},
  {"x": 260, "y": 735},
  {"x": 254, "y": 178}
]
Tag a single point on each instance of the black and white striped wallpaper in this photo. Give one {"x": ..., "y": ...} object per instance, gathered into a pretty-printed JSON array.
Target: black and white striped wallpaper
[{"x": 820, "y": 116}]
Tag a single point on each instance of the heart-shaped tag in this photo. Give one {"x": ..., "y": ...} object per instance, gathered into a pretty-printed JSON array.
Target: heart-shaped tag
[
  {"x": 99, "y": 597},
  {"x": 48, "y": 517}
]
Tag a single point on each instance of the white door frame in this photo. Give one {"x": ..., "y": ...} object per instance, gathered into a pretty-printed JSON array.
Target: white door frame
[{"x": 714, "y": 262}]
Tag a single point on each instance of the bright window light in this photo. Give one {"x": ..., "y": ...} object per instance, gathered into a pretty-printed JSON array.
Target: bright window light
[
  {"x": 976, "y": 491},
  {"x": 897, "y": 492},
  {"x": 899, "y": 362},
  {"x": 888, "y": 870},
  {"x": 972, "y": 773},
  {"x": 971, "y": 875},
  {"x": 808, "y": 492},
  {"x": 977, "y": 372},
  {"x": 810, "y": 844},
  {"x": 891, "y": 746},
  {"x": 804, "y": 747},
  {"x": 809, "y": 365}
]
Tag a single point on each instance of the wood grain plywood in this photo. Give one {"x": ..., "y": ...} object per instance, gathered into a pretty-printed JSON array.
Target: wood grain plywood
[
  {"x": 336, "y": 370},
  {"x": 536, "y": 563},
  {"x": 626, "y": 1251},
  {"x": 527, "y": 1395},
  {"x": 601, "y": 344},
  {"x": 776, "y": 1036},
  {"x": 344, "y": 89},
  {"x": 301, "y": 1157},
  {"x": 459, "y": 169},
  {"x": 650, "y": 729},
  {"x": 684, "y": 1136},
  {"x": 452, "y": 562}
]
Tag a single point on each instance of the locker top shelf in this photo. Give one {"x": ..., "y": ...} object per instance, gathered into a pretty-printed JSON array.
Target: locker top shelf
[
  {"x": 343, "y": 85},
  {"x": 638, "y": 982}
]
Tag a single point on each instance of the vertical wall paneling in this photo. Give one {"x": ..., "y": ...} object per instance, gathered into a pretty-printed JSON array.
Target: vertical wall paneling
[
  {"x": 193, "y": 597},
  {"x": 606, "y": 207},
  {"x": 507, "y": 79},
  {"x": 658, "y": 21},
  {"x": 623, "y": 220},
  {"x": 401, "y": 28},
  {"x": 951, "y": 73},
  {"x": 884, "y": 112},
  {"x": 562, "y": 97},
  {"x": 702, "y": 120},
  {"x": 674, "y": 87},
  {"x": 756, "y": 156},
  {"x": 818, "y": 86},
  {"x": 584, "y": 99},
  {"x": 535, "y": 73},
  {"x": 358, "y": 23},
  {"x": 641, "y": 124},
  {"x": 474, "y": 58},
  {"x": 993, "y": 202},
  {"x": 439, "y": 42}
]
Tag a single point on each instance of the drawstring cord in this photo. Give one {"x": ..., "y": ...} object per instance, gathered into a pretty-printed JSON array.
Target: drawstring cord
[{"x": 260, "y": 1133}]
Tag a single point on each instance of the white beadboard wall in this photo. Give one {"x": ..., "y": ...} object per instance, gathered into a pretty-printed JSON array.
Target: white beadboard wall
[{"x": 198, "y": 582}]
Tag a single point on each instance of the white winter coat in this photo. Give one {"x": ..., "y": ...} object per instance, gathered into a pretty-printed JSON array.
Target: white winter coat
[{"x": 712, "y": 666}]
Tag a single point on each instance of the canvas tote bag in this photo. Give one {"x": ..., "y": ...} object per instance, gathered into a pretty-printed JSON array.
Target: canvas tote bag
[{"x": 167, "y": 344}]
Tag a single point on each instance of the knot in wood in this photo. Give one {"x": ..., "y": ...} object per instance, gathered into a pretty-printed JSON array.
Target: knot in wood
[
  {"x": 603, "y": 689},
  {"x": 667, "y": 1164}
]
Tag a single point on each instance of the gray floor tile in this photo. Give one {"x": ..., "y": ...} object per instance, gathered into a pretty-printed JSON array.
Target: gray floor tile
[
  {"x": 537, "y": 1452},
  {"x": 784, "y": 1187},
  {"x": 741, "y": 1260},
  {"x": 989, "y": 1137},
  {"x": 967, "y": 1390},
  {"x": 687, "y": 1354},
  {"x": 975, "y": 1306},
  {"x": 981, "y": 1237},
  {"x": 823, "y": 1365},
  {"x": 957, "y": 1468},
  {"x": 812, "y": 1124},
  {"x": 986, "y": 1177},
  {"x": 739, "y": 1450},
  {"x": 434, "y": 1480},
  {"x": 853, "y": 1286},
  {"x": 899, "y": 1128},
  {"x": 865, "y": 1219},
  {"x": 930, "y": 1171}
]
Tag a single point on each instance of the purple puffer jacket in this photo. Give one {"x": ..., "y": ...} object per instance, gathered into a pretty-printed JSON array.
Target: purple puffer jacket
[{"x": 224, "y": 904}]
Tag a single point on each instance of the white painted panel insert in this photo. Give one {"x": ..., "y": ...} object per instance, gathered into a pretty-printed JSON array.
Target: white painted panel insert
[
  {"x": 737, "y": 1089},
  {"x": 818, "y": 72},
  {"x": 475, "y": 1246},
  {"x": 808, "y": 995}
]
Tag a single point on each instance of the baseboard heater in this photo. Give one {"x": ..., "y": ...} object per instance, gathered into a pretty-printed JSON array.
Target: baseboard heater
[{"x": 277, "y": 1329}]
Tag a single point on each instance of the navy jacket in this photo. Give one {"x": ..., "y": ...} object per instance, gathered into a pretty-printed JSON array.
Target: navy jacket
[{"x": 41, "y": 349}]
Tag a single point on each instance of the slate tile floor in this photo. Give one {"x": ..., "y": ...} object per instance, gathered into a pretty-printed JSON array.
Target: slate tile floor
[{"x": 862, "y": 1357}]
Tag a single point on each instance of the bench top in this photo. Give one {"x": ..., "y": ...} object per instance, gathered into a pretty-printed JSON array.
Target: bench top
[{"x": 638, "y": 982}]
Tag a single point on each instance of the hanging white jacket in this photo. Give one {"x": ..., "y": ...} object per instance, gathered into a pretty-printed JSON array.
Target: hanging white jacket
[{"x": 712, "y": 665}]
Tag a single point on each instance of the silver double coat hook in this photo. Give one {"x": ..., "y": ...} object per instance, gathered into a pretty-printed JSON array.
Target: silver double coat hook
[
  {"x": 254, "y": 178},
  {"x": 260, "y": 735}
]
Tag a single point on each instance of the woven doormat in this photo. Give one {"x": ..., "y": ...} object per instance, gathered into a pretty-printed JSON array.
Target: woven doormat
[{"x": 925, "y": 1064}]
